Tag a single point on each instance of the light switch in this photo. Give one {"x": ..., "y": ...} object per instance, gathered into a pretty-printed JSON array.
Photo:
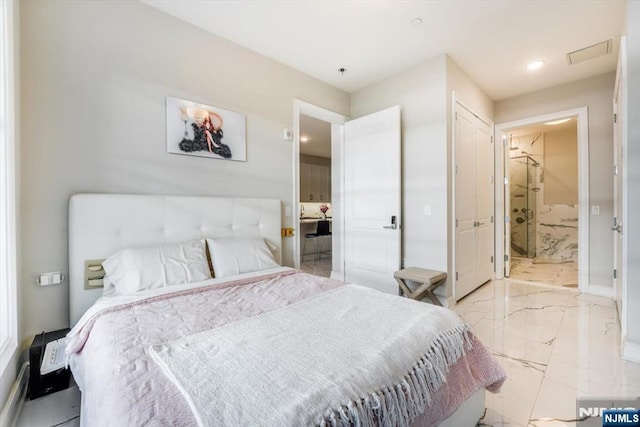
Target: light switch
[
  {"x": 287, "y": 211},
  {"x": 595, "y": 210},
  {"x": 427, "y": 210}
]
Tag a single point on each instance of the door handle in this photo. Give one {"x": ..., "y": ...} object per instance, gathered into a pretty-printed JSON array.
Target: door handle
[
  {"x": 393, "y": 225},
  {"x": 617, "y": 225},
  {"x": 477, "y": 223}
]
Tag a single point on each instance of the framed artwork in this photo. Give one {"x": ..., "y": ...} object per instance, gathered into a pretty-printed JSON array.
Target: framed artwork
[{"x": 205, "y": 131}]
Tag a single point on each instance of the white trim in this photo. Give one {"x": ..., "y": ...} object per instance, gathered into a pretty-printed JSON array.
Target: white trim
[
  {"x": 8, "y": 184},
  {"x": 630, "y": 350},
  {"x": 583, "y": 189},
  {"x": 622, "y": 140},
  {"x": 457, "y": 99},
  {"x": 337, "y": 179},
  {"x": 451, "y": 302},
  {"x": 11, "y": 411}
]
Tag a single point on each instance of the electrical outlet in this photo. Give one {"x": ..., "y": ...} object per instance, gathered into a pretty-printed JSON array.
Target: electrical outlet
[
  {"x": 427, "y": 210},
  {"x": 287, "y": 232},
  {"x": 595, "y": 210},
  {"x": 48, "y": 279}
]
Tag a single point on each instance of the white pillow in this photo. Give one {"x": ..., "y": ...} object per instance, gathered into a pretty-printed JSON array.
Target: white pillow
[
  {"x": 137, "y": 269},
  {"x": 107, "y": 287},
  {"x": 242, "y": 255}
]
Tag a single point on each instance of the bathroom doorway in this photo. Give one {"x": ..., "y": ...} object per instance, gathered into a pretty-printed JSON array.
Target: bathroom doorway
[
  {"x": 545, "y": 168},
  {"x": 542, "y": 200}
]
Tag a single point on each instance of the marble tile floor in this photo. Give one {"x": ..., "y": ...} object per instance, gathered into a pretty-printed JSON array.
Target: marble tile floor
[
  {"x": 555, "y": 344},
  {"x": 563, "y": 273},
  {"x": 60, "y": 409}
]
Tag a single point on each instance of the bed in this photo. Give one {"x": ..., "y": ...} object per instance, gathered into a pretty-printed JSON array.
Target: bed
[{"x": 259, "y": 344}]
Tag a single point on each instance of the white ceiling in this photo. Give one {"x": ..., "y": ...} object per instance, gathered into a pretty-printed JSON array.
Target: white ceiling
[
  {"x": 491, "y": 40},
  {"x": 318, "y": 134},
  {"x": 544, "y": 128}
]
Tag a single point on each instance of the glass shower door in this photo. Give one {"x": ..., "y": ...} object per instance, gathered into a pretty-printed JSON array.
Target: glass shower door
[{"x": 523, "y": 203}]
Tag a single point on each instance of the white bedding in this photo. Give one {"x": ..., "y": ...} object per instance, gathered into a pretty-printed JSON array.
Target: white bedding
[
  {"x": 350, "y": 352},
  {"x": 111, "y": 301},
  {"x": 121, "y": 385}
]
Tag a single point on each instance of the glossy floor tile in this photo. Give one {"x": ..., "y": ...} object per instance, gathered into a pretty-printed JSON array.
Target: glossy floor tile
[
  {"x": 537, "y": 270},
  {"x": 556, "y": 345},
  {"x": 60, "y": 409}
]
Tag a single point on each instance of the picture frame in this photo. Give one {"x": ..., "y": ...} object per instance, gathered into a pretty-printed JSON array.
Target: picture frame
[{"x": 201, "y": 130}]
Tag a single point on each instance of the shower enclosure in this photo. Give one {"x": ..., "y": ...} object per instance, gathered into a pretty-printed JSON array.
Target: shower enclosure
[{"x": 522, "y": 171}]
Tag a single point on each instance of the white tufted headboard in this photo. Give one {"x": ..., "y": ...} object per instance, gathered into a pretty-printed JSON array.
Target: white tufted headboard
[{"x": 102, "y": 224}]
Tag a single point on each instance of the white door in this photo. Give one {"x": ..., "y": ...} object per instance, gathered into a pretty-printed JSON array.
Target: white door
[
  {"x": 474, "y": 201},
  {"x": 372, "y": 199}
]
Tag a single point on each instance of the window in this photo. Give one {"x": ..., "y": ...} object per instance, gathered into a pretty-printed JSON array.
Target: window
[{"x": 8, "y": 281}]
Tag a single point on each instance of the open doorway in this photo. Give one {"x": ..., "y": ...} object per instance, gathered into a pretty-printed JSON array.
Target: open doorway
[
  {"x": 543, "y": 203},
  {"x": 311, "y": 159},
  {"x": 316, "y": 214},
  {"x": 545, "y": 200}
]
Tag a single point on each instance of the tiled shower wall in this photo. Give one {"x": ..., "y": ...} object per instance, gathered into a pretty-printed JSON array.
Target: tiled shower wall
[{"x": 555, "y": 227}]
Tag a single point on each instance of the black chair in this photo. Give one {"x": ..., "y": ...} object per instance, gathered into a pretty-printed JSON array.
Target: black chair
[{"x": 323, "y": 229}]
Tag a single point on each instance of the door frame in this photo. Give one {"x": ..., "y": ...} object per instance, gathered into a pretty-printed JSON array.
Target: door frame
[
  {"x": 501, "y": 130},
  {"x": 457, "y": 99},
  {"x": 620, "y": 143},
  {"x": 337, "y": 122}
]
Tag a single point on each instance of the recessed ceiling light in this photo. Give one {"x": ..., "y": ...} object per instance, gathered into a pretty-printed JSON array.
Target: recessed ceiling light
[
  {"x": 535, "y": 65},
  {"x": 416, "y": 22},
  {"x": 304, "y": 138},
  {"x": 557, "y": 122}
]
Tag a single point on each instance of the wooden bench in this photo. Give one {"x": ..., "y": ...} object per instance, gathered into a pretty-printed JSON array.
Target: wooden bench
[{"x": 427, "y": 281}]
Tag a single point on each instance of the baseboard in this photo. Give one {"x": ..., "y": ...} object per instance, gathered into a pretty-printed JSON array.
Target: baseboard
[
  {"x": 11, "y": 410},
  {"x": 630, "y": 350},
  {"x": 601, "y": 291},
  {"x": 337, "y": 275},
  {"x": 451, "y": 302}
]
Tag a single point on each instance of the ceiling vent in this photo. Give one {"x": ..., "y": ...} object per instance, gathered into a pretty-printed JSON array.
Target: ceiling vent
[{"x": 590, "y": 52}]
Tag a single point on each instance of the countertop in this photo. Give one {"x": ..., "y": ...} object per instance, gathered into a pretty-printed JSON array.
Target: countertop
[{"x": 307, "y": 220}]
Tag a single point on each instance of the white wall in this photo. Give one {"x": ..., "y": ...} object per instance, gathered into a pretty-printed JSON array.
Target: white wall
[
  {"x": 421, "y": 94},
  {"x": 632, "y": 191},
  {"x": 561, "y": 167},
  {"x": 597, "y": 94},
  {"x": 94, "y": 84},
  {"x": 424, "y": 95}
]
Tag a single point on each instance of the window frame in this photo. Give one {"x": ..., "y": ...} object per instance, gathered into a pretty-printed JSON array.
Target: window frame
[{"x": 8, "y": 187}]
